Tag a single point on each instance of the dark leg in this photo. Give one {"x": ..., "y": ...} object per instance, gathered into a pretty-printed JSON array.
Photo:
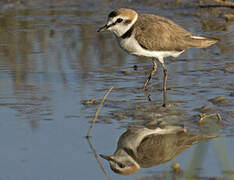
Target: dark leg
[
  {"x": 151, "y": 74},
  {"x": 164, "y": 85}
]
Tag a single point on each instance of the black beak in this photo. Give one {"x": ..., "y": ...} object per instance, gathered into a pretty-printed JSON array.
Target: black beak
[
  {"x": 104, "y": 28},
  {"x": 108, "y": 158}
]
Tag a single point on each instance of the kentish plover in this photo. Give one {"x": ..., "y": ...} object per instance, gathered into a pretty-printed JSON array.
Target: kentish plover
[
  {"x": 146, "y": 147},
  {"x": 152, "y": 36}
]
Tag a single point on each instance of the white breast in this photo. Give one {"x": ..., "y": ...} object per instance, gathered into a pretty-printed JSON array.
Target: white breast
[{"x": 132, "y": 47}]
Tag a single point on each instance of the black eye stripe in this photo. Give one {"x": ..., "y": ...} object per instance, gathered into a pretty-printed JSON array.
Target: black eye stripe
[
  {"x": 127, "y": 21},
  {"x": 121, "y": 165},
  {"x": 119, "y": 20},
  {"x": 112, "y": 24}
]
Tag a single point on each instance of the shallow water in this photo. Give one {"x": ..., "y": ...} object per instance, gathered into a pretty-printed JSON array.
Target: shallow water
[{"x": 52, "y": 60}]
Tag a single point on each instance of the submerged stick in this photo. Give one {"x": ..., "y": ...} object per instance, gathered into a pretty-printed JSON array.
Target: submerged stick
[
  {"x": 89, "y": 131},
  {"x": 97, "y": 112},
  {"x": 98, "y": 161}
]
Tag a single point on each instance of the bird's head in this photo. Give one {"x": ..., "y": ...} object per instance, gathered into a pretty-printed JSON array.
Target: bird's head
[
  {"x": 120, "y": 21},
  {"x": 124, "y": 165}
]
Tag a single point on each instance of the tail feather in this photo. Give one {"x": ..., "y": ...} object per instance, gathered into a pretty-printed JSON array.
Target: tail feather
[{"x": 201, "y": 42}]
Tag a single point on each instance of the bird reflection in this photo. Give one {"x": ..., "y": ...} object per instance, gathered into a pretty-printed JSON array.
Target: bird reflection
[{"x": 149, "y": 146}]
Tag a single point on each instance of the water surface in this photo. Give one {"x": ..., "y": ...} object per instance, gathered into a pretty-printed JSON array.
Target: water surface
[{"x": 52, "y": 60}]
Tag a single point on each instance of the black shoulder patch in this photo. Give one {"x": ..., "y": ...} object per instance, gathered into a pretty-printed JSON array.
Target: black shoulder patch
[
  {"x": 128, "y": 33},
  {"x": 112, "y": 14},
  {"x": 131, "y": 153}
]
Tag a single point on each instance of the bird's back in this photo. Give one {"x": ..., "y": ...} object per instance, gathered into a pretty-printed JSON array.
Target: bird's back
[
  {"x": 156, "y": 149},
  {"x": 156, "y": 33}
]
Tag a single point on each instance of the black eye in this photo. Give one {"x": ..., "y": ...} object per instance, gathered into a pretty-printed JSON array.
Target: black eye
[
  {"x": 119, "y": 20},
  {"x": 121, "y": 165}
]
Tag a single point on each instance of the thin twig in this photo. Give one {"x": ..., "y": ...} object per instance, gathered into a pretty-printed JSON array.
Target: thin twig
[
  {"x": 204, "y": 116},
  {"x": 219, "y": 117},
  {"x": 97, "y": 112},
  {"x": 98, "y": 161},
  {"x": 89, "y": 131}
]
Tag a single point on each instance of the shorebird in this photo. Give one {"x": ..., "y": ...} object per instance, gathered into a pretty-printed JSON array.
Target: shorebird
[
  {"x": 146, "y": 147},
  {"x": 152, "y": 36}
]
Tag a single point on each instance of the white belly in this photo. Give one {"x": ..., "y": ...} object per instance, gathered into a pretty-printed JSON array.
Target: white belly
[{"x": 132, "y": 47}]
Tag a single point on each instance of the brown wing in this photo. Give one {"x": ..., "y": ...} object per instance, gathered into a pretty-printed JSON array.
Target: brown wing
[
  {"x": 153, "y": 150},
  {"x": 160, "y": 34},
  {"x": 156, "y": 149}
]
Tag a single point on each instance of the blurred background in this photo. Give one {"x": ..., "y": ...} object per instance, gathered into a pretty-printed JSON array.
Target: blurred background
[{"x": 52, "y": 61}]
